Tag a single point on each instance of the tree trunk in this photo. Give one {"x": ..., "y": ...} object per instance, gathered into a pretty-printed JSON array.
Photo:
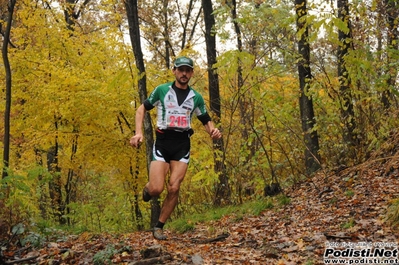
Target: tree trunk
[
  {"x": 222, "y": 192},
  {"x": 137, "y": 216},
  {"x": 243, "y": 105},
  {"x": 55, "y": 183},
  {"x": 347, "y": 109},
  {"x": 7, "y": 67},
  {"x": 41, "y": 186},
  {"x": 60, "y": 207},
  {"x": 70, "y": 185},
  {"x": 392, "y": 13},
  {"x": 134, "y": 31},
  {"x": 311, "y": 138},
  {"x": 166, "y": 33},
  {"x": 72, "y": 11}
]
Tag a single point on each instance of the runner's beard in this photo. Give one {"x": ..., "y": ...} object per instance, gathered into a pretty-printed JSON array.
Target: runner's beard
[{"x": 181, "y": 82}]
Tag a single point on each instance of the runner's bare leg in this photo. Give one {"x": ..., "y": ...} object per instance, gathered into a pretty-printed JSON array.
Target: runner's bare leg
[
  {"x": 177, "y": 172},
  {"x": 158, "y": 172}
]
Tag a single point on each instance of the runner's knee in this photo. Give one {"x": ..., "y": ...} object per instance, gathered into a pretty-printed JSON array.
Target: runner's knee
[
  {"x": 155, "y": 190},
  {"x": 173, "y": 189}
]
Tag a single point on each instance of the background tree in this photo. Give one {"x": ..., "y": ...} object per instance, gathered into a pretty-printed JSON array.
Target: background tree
[
  {"x": 311, "y": 138},
  {"x": 50, "y": 73},
  {"x": 261, "y": 62},
  {"x": 60, "y": 201},
  {"x": 169, "y": 27},
  {"x": 346, "y": 98},
  {"x": 222, "y": 192},
  {"x": 392, "y": 14},
  {"x": 244, "y": 95},
  {"x": 134, "y": 30},
  {"x": 7, "y": 67}
]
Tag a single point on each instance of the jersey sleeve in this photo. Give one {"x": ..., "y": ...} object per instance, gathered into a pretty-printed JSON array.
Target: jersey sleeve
[
  {"x": 204, "y": 118},
  {"x": 153, "y": 99},
  {"x": 148, "y": 105},
  {"x": 200, "y": 108}
]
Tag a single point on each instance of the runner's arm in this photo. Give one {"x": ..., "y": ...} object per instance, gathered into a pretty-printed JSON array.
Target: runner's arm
[
  {"x": 213, "y": 132},
  {"x": 138, "y": 137}
]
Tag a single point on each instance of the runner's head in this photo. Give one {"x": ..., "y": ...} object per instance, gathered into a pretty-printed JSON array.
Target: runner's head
[{"x": 183, "y": 69}]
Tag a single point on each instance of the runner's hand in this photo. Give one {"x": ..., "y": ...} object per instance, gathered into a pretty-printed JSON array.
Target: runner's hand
[
  {"x": 215, "y": 133},
  {"x": 136, "y": 140}
]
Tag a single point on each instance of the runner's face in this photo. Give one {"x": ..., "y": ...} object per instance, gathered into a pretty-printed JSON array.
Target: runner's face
[{"x": 183, "y": 74}]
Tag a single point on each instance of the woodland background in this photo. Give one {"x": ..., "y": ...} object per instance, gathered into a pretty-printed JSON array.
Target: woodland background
[{"x": 75, "y": 87}]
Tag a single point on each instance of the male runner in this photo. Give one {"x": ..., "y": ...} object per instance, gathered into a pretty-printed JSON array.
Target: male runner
[{"x": 176, "y": 102}]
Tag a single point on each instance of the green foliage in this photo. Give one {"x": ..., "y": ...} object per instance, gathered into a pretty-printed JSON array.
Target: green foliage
[
  {"x": 262, "y": 205},
  {"x": 17, "y": 193},
  {"x": 349, "y": 193},
  {"x": 70, "y": 89},
  {"x": 36, "y": 234},
  {"x": 309, "y": 262},
  {"x": 104, "y": 256},
  {"x": 349, "y": 224},
  {"x": 18, "y": 229},
  {"x": 33, "y": 239},
  {"x": 101, "y": 211},
  {"x": 182, "y": 225},
  {"x": 333, "y": 200},
  {"x": 283, "y": 199},
  {"x": 188, "y": 221},
  {"x": 392, "y": 214}
]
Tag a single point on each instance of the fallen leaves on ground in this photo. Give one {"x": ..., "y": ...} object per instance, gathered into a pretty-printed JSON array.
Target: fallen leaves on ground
[{"x": 345, "y": 206}]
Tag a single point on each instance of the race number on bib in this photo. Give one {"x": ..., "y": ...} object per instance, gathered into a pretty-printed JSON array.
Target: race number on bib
[{"x": 177, "y": 120}]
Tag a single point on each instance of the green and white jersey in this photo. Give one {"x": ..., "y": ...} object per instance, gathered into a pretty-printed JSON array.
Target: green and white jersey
[{"x": 171, "y": 115}]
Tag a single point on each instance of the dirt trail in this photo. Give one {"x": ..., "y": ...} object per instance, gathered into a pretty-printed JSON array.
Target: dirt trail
[{"x": 345, "y": 207}]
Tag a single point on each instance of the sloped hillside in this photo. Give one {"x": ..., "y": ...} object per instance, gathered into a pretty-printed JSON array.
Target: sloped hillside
[{"x": 348, "y": 206}]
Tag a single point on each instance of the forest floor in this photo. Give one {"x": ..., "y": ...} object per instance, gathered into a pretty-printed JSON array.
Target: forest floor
[{"x": 331, "y": 210}]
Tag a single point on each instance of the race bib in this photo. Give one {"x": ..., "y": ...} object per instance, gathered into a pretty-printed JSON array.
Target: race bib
[{"x": 179, "y": 120}]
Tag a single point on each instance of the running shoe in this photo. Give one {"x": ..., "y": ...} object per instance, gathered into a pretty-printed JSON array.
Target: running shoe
[
  {"x": 158, "y": 233},
  {"x": 146, "y": 196}
]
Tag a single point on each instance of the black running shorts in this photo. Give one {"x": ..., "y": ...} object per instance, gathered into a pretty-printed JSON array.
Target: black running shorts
[{"x": 171, "y": 145}]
